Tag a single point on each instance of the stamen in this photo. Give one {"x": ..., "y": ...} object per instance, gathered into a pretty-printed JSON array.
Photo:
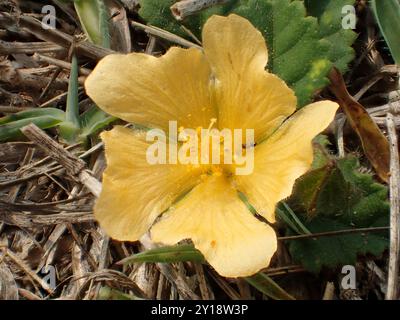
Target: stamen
[{"x": 212, "y": 122}]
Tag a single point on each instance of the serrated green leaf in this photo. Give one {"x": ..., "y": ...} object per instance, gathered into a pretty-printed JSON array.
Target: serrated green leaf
[
  {"x": 167, "y": 254},
  {"x": 306, "y": 197},
  {"x": 343, "y": 199},
  {"x": 297, "y": 54},
  {"x": 321, "y": 155},
  {"x": 158, "y": 13},
  {"x": 269, "y": 287},
  {"x": 387, "y": 14},
  {"x": 329, "y": 14},
  {"x": 335, "y": 251}
]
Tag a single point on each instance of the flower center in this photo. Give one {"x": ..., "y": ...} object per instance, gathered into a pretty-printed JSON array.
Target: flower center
[{"x": 216, "y": 149}]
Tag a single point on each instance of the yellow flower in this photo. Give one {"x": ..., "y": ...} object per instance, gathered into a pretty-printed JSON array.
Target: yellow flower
[{"x": 226, "y": 81}]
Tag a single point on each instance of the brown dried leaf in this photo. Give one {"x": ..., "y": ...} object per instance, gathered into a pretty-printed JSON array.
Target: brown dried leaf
[{"x": 374, "y": 143}]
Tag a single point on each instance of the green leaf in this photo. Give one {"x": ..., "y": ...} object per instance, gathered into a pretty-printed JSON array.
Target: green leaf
[
  {"x": 94, "y": 120},
  {"x": 335, "y": 251},
  {"x": 43, "y": 117},
  {"x": 33, "y": 113},
  {"x": 167, "y": 254},
  {"x": 329, "y": 14},
  {"x": 343, "y": 198},
  {"x": 70, "y": 127},
  {"x": 387, "y": 14},
  {"x": 297, "y": 54},
  {"x": 285, "y": 213},
  {"x": 158, "y": 13},
  {"x": 72, "y": 108},
  {"x": 94, "y": 20},
  {"x": 269, "y": 287},
  {"x": 12, "y": 131}
]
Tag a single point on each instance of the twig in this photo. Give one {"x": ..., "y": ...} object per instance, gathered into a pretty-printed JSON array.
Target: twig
[
  {"x": 60, "y": 63},
  {"x": 28, "y": 47},
  {"x": 333, "y": 233},
  {"x": 24, "y": 220},
  {"x": 62, "y": 39},
  {"x": 393, "y": 274},
  {"x": 170, "y": 273},
  {"x": 165, "y": 35},
  {"x": 10, "y": 109},
  {"x": 28, "y": 270},
  {"x": 185, "y": 8},
  {"x": 73, "y": 165}
]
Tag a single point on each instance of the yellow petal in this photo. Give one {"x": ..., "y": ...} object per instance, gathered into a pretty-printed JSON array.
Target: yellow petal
[
  {"x": 284, "y": 157},
  {"x": 231, "y": 239},
  {"x": 134, "y": 192},
  {"x": 247, "y": 96},
  {"x": 150, "y": 91},
  {"x": 233, "y": 44}
]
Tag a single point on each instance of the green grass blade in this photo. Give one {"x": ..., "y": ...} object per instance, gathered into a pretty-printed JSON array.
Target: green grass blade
[
  {"x": 94, "y": 120},
  {"x": 11, "y": 130},
  {"x": 69, "y": 129},
  {"x": 72, "y": 109},
  {"x": 285, "y": 213},
  {"x": 167, "y": 254},
  {"x": 104, "y": 28},
  {"x": 387, "y": 14},
  {"x": 269, "y": 287},
  {"x": 33, "y": 113},
  {"x": 94, "y": 17}
]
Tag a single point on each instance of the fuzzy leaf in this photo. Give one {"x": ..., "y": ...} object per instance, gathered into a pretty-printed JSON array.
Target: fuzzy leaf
[
  {"x": 329, "y": 14},
  {"x": 296, "y": 52},
  {"x": 343, "y": 199}
]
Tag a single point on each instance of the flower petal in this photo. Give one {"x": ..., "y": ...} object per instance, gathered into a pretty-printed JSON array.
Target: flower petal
[
  {"x": 150, "y": 91},
  {"x": 247, "y": 96},
  {"x": 134, "y": 192},
  {"x": 284, "y": 157},
  {"x": 232, "y": 240}
]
